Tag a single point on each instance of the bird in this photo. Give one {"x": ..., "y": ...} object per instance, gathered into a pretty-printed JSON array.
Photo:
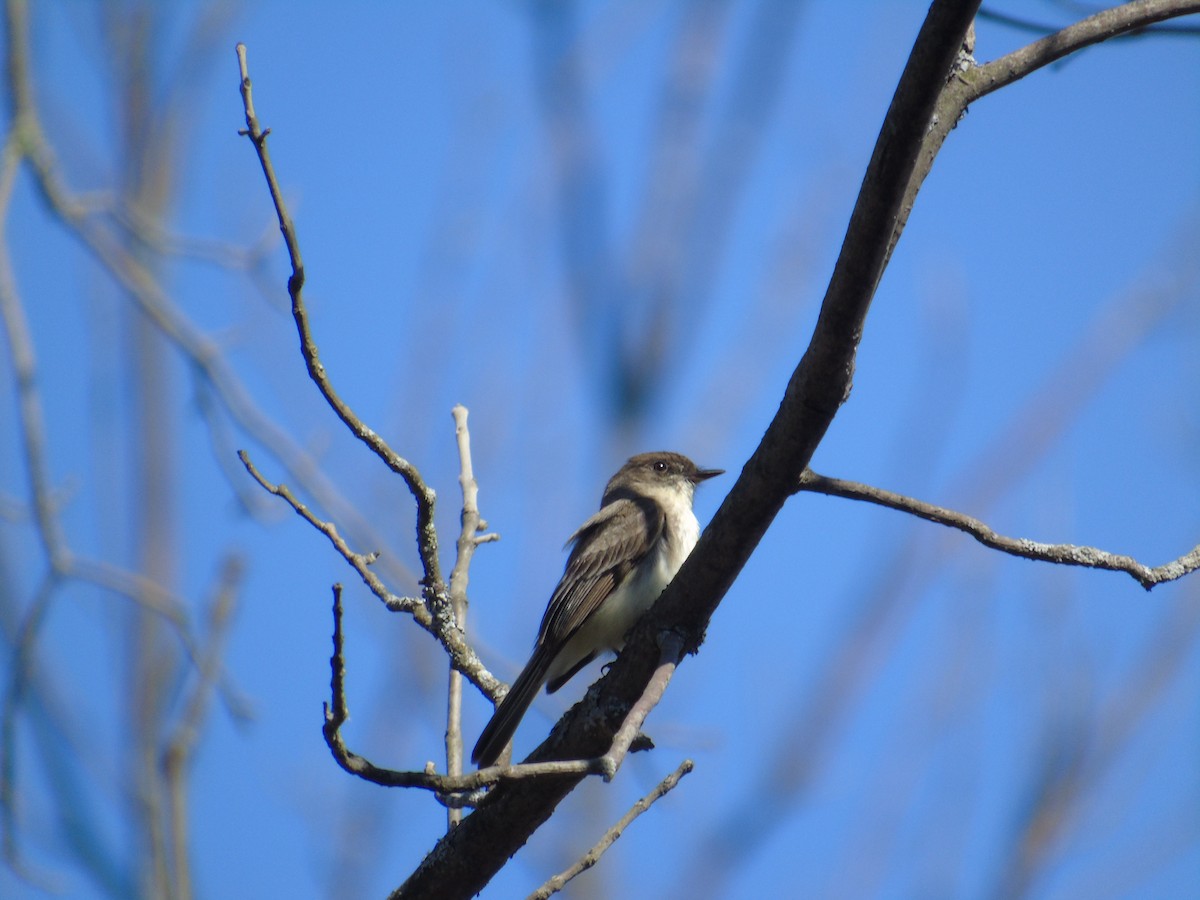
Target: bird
[{"x": 619, "y": 562}]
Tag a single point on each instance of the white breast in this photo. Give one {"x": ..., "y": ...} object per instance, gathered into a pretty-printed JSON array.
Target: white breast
[{"x": 607, "y": 626}]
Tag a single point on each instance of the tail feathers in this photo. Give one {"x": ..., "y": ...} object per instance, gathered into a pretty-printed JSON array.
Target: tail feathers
[{"x": 499, "y": 731}]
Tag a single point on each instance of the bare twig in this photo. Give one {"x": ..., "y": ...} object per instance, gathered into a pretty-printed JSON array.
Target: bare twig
[
  {"x": 221, "y": 444},
  {"x": 1109, "y": 23},
  {"x": 468, "y": 539},
  {"x": 671, "y": 651},
  {"x": 434, "y": 588},
  {"x": 224, "y": 254},
  {"x": 1031, "y": 27},
  {"x": 452, "y": 790},
  {"x": 970, "y": 82},
  {"x": 462, "y": 655},
  {"x": 150, "y": 232},
  {"x": 1063, "y": 554},
  {"x": 589, "y": 859}
]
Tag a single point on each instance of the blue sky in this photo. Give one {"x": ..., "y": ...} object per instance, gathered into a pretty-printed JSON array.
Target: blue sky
[{"x": 1016, "y": 365}]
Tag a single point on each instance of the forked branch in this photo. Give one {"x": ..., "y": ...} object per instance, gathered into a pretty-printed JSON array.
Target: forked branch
[{"x": 427, "y": 546}]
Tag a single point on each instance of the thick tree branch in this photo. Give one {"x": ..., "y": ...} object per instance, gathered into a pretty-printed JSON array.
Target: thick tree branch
[
  {"x": 464, "y": 860},
  {"x": 1063, "y": 554},
  {"x": 970, "y": 81}
]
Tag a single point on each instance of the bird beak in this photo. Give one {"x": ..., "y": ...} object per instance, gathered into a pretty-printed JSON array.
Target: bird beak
[{"x": 705, "y": 474}]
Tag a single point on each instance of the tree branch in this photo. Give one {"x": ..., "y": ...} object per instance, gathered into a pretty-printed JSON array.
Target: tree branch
[
  {"x": 62, "y": 565},
  {"x": 1102, "y": 26},
  {"x": 468, "y": 539},
  {"x": 670, "y": 652},
  {"x": 1063, "y": 554},
  {"x": 971, "y": 81},
  {"x": 1031, "y": 27},
  {"x": 464, "y": 860},
  {"x": 462, "y": 655},
  {"x": 454, "y": 790},
  {"x": 433, "y": 586},
  {"x": 807, "y": 734},
  {"x": 589, "y": 859}
]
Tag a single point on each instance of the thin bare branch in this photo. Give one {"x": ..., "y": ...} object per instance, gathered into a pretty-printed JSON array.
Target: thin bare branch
[
  {"x": 62, "y": 564},
  {"x": 971, "y": 81},
  {"x": 223, "y": 254},
  {"x": 18, "y": 681},
  {"x": 1031, "y": 27},
  {"x": 474, "y": 527},
  {"x": 452, "y": 790},
  {"x": 1106, "y": 24},
  {"x": 1063, "y": 554},
  {"x": 24, "y": 363},
  {"x": 589, "y": 859},
  {"x": 433, "y": 586},
  {"x": 468, "y": 539},
  {"x": 462, "y": 655},
  {"x": 671, "y": 651}
]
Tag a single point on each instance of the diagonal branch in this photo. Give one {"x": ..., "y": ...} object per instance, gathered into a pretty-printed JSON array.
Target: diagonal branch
[
  {"x": 971, "y": 81},
  {"x": 670, "y": 653},
  {"x": 589, "y": 859},
  {"x": 1063, "y": 554},
  {"x": 435, "y": 589},
  {"x": 1031, "y": 27},
  {"x": 465, "y": 860},
  {"x": 462, "y": 655},
  {"x": 1106, "y": 24}
]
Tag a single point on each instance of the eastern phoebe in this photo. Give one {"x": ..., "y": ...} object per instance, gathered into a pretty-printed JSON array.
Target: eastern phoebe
[{"x": 622, "y": 558}]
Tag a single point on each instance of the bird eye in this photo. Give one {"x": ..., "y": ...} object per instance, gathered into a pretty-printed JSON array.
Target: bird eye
[{"x": 660, "y": 465}]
